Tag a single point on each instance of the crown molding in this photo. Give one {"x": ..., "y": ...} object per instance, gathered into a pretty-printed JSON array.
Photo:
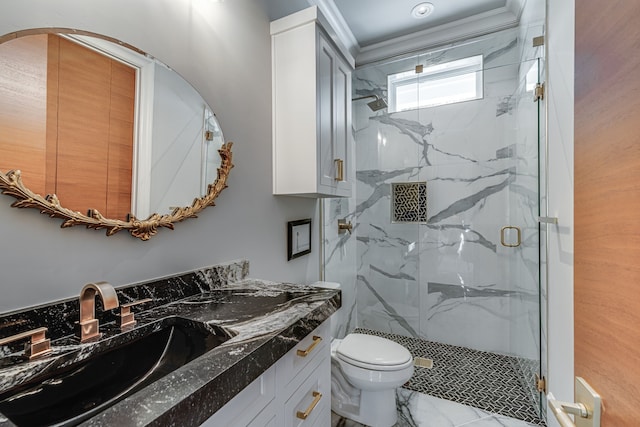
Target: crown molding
[
  {"x": 516, "y": 7},
  {"x": 498, "y": 19},
  {"x": 338, "y": 24}
]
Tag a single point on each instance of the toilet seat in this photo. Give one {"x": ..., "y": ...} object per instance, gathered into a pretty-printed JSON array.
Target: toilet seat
[{"x": 374, "y": 353}]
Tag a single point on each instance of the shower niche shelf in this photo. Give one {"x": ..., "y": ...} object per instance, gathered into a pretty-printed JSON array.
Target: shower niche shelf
[{"x": 312, "y": 143}]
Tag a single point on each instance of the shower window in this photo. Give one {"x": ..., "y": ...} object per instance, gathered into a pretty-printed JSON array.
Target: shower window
[{"x": 447, "y": 83}]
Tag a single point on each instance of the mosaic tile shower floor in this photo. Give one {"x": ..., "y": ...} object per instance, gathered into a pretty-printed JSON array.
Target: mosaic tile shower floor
[{"x": 477, "y": 379}]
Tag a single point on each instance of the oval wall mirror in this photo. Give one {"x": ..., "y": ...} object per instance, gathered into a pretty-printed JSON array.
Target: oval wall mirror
[{"x": 100, "y": 134}]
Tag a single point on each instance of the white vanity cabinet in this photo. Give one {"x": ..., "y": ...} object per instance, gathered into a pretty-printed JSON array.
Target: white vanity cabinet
[
  {"x": 304, "y": 381},
  {"x": 312, "y": 140},
  {"x": 295, "y": 391}
]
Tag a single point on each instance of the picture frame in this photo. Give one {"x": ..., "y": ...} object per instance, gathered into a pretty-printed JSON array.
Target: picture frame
[{"x": 298, "y": 238}]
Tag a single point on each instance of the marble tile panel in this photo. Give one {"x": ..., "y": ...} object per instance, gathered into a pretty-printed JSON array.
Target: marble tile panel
[
  {"x": 451, "y": 280},
  {"x": 340, "y": 258}
]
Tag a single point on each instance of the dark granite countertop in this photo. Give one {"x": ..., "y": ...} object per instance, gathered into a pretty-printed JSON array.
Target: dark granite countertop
[{"x": 264, "y": 320}]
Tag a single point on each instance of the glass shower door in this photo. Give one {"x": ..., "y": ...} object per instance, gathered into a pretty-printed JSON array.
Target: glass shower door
[
  {"x": 520, "y": 237},
  {"x": 467, "y": 275}
]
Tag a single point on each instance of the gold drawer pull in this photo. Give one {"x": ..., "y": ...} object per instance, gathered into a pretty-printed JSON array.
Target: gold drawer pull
[
  {"x": 339, "y": 169},
  {"x": 305, "y": 353},
  {"x": 303, "y": 415}
]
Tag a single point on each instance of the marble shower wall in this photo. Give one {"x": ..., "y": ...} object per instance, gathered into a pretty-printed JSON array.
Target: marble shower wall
[
  {"x": 340, "y": 261},
  {"x": 449, "y": 280}
]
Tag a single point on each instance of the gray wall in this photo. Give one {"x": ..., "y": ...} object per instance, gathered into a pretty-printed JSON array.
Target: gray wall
[{"x": 223, "y": 49}]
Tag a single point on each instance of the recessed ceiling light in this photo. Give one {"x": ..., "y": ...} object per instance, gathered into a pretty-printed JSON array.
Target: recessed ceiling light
[{"x": 422, "y": 10}]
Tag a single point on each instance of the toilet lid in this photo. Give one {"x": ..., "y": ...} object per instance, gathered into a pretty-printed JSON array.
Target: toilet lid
[{"x": 372, "y": 352}]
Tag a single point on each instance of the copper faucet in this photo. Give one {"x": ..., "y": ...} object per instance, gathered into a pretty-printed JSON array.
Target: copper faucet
[{"x": 88, "y": 327}]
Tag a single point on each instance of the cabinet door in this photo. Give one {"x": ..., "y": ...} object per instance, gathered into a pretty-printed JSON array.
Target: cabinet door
[
  {"x": 342, "y": 111},
  {"x": 326, "y": 116}
]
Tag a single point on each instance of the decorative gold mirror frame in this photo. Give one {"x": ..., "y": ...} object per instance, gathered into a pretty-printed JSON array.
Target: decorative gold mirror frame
[{"x": 11, "y": 184}]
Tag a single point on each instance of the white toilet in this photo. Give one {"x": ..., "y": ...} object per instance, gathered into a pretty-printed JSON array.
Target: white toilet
[{"x": 366, "y": 370}]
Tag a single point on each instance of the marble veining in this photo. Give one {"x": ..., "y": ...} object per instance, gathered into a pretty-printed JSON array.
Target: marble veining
[
  {"x": 60, "y": 317},
  {"x": 446, "y": 291},
  {"x": 479, "y": 159},
  {"x": 390, "y": 310},
  {"x": 449, "y": 280},
  {"x": 259, "y": 321}
]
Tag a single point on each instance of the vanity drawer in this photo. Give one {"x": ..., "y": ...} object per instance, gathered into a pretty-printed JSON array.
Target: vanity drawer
[
  {"x": 297, "y": 359},
  {"x": 246, "y": 405},
  {"x": 312, "y": 398},
  {"x": 267, "y": 418}
]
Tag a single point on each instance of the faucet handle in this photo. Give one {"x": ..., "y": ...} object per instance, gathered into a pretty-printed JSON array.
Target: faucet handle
[
  {"x": 344, "y": 225},
  {"x": 37, "y": 345},
  {"x": 126, "y": 316}
]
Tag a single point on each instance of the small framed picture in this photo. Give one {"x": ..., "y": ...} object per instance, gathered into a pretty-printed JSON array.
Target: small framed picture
[{"x": 298, "y": 238}]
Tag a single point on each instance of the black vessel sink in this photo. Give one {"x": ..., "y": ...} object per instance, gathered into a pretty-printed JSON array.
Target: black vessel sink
[{"x": 72, "y": 394}]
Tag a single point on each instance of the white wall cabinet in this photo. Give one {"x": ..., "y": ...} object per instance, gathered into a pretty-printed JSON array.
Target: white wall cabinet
[
  {"x": 296, "y": 385},
  {"x": 312, "y": 139}
]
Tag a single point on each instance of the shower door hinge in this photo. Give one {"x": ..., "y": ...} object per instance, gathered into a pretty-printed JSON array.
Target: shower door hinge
[
  {"x": 538, "y": 41},
  {"x": 541, "y": 384},
  {"x": 539, "y": 92}
]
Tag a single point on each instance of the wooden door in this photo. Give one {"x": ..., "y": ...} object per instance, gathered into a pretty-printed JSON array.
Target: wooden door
[
  {"x": 83, "y": 127},
  {"x": 121, "y": 128},
  {"x": 95, "y": 118},
  {"x": 67, "y": 122},
  {"x": 607, "y": 205},
  {"x": 23, "y": 109}
]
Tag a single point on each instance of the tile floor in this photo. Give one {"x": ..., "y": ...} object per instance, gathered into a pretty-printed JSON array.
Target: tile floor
[
  {"x": 464, "y": 388},
  {"x": 420, "y": 410}
]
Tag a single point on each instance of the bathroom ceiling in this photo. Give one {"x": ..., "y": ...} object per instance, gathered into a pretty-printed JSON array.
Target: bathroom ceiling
[
  {"x": 373, "y": 30},
  {"x": 374, "y": 21}
]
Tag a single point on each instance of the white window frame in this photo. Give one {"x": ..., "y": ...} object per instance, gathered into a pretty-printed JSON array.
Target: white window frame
[{"x": 460, "y": 68}]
